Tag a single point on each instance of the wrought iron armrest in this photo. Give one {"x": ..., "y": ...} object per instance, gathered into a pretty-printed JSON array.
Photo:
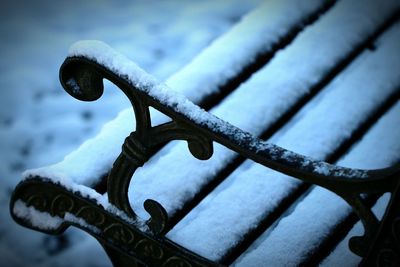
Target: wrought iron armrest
[{"x": 82, "y": 76}]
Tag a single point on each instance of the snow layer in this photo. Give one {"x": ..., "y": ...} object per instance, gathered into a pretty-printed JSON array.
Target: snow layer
[
  {"x": 256, "y": 33},
  {"x": 285, "y": 245},
  {"x": 341, "y": 255},
  {"x": 45, "y": 221},
  {"x": 40, "y": 124},
  {"x": 39, "y": 219},
  {"x": 255, "y": 27},
  {"x": 178, "y": 176},
  {"x": 256, "y": 191},
  {"x": 76, "y": 129}
]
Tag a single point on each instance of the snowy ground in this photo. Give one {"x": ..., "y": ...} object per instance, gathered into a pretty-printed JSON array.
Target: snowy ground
[{"x": 39, "y": 123}]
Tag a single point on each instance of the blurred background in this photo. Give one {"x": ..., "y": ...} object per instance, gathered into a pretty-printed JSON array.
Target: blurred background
[{"x": 40, "y": 123}]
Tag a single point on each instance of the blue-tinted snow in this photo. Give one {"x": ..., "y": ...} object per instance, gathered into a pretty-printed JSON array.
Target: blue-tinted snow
[
  {"x": 40, "y": 124},
  {"x": 208, "y": 76},
  {"x": 277, "y": 89},
  {"x": 47, "y": 136},
  {"x": 255, "y": 191},
  {"x": 299, "y": 232},
  {"x": 39, "y": 219},
  {"x": 341, "y": 256}
]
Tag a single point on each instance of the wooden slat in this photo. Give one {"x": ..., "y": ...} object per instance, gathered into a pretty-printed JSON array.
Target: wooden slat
[
  {"x": 202, "y": 81},
  {"x": 319, "y": 133},
  {"x": 278, "y": 89},
  {"x": 299, "y": 237}
]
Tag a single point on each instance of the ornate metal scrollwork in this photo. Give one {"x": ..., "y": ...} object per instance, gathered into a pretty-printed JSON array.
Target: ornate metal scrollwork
[
  {"x": 60, "y": 205},
  {"x": 37, "y": 200},
  {"x": 83, "y": 78},
  {"x": 158, "y": 216},
  {"x": 385, "y": 245},
  {"x": 347, "y": 183},
  {"x": 85, "y": 83},
  {"x": 120, "y": 233},
  {"x": 135, "y": 152},
  {"x": 91, "y": 216},
  {"x": 113, "y": 232},
  {"x": 149, "y": 249}
]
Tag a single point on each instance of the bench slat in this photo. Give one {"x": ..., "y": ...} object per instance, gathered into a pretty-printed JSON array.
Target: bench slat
[
  {"x": 318, "y": 75},
  {"x": 257, "y": 192},
  {"x": 341, "y": 256},
  {"x": 311, "y": 222},
  {"x": 256, "y": 36},
  {"x": 178, "y": 177},
  {"x": 94, "y": 158}
]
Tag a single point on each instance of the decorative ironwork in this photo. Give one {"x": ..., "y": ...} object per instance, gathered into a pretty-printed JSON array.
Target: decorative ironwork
[
  {"x": 37, "y": 201},
  {"x": 133, "y": 242},
  {"x": 123, "y": 235},
  {"x": 91, "y": 216},
  {"x": 149, "y": 250},
  {"x": 380, "y": 242},
  {"x": 385, "y": 247},
  {"x": 60, "y": 205}
]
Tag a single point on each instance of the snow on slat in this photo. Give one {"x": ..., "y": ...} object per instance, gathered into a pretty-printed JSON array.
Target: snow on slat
[
  {"x": 109, "y": 135},
  {"x": 341, "y": 255},
  {"x": 320, "y": 211},
  {"x": 255, "y": 34},
  {"x": 255, "y": 191},
  {"x": 172, "y": 176}
]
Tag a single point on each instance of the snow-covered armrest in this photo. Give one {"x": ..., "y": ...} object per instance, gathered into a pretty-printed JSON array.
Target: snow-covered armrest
[{"x": 49, "y": 203}]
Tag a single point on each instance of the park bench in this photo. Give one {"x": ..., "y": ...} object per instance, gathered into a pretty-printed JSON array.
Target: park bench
[{"x": 270, "y": 111}]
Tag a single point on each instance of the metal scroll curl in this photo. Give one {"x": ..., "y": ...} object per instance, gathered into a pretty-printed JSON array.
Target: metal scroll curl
[
  {"x": 135, "y": 152},
  {"x": 83, "y": 79}
]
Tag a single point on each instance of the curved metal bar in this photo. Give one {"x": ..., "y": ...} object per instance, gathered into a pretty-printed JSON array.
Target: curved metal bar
[
  {"x": 272, "y": 156},
  {"x": 360, "y": 244},
  {"x": 135, "y": 153},
  {"x": 118, "y": 184},
  {"x": 130, "y": 240},
  {"x": 199, "y": 145},
  {"x": 82, "y": 78},
  {"x": 385, "y": 246}
]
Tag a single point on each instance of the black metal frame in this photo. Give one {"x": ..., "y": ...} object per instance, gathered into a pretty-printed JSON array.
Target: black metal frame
[{"x": 129, "y": 243}]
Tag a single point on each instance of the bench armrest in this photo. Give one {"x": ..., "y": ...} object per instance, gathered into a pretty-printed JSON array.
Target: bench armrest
[{"x": 82, "y": 74}]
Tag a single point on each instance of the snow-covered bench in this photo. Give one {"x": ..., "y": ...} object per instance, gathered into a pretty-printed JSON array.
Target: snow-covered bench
[{"x": 306, "y": 79}]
